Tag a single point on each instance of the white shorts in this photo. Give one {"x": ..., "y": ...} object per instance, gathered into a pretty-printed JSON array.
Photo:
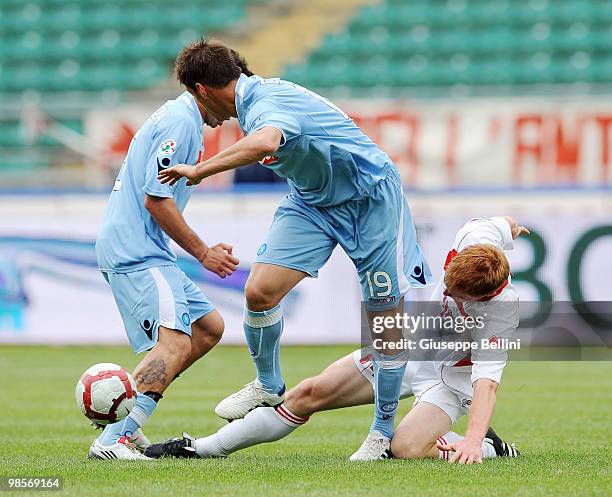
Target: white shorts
[
  {"x": 421, "y": 380},
  {"x": 453, "y": 403}
]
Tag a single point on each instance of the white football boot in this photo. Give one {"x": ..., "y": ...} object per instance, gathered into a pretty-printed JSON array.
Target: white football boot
[
  {"x": 376, "y": 446},
  {"x": 122, "y": 449},
  {"x": 239, "y": 404}
]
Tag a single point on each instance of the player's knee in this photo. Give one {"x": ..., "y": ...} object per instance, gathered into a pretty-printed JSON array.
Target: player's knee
[
  {"x": 177, "y": 347},
  {"x": 299, "y": 396},
  {"x": 309, "y": 396},
  {"x": 407, "y": 448},
  {"x": 214, "y": 328},
  {"x": 321, "y": 392},
  {"x": 260, "y": 297}
]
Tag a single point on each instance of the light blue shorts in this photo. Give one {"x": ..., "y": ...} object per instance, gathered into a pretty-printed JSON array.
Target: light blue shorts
[
  {"x": 377, "y": 233},
  {"x": 154, "y": 297}
]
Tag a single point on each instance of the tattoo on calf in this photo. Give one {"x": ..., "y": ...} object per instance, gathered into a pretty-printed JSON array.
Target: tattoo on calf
[{"x": 153, "y": 372}]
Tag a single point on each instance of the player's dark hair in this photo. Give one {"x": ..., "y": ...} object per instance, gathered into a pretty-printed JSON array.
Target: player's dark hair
[
  {"x": 242, "y": 63},
  {"x": 210, "y": 63}
]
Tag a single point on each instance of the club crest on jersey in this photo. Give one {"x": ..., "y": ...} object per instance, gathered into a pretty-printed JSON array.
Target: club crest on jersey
[
  {"x": 270, "y": 159},
  {"x": 186, "y": 319},
  {"x": 167, "y": 148}
]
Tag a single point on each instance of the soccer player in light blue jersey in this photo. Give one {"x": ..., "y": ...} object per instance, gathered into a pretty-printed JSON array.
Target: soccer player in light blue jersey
[
  {"x": 344, "y": 191},
  {"x": 164, "y": 313}
]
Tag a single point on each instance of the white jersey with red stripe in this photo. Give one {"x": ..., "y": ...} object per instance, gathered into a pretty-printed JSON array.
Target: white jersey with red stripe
[
  {"x": 499, "y": 314},
  {"x": 449, "y": 384}
]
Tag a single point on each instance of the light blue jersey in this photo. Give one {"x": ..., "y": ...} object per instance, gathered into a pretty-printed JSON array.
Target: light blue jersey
[
  {"x": 344, "y": 191},
  {"x": 130, "y": 239},
  {"x": 324, "y": 155},
  {"x": 133, "y": 251}
]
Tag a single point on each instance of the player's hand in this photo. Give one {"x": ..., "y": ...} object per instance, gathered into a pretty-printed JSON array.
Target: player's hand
[
  {"x": 516, "y": 228},
  {"x": 174, "y": 173},
  {"x": 219, "y": 260},
  {"x": 464, "y": 452}
]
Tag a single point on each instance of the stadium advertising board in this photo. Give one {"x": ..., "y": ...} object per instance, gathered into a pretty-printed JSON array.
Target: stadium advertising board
[
  {"x": 51, "y": 291},
  {"x": 475, "y": 143}
]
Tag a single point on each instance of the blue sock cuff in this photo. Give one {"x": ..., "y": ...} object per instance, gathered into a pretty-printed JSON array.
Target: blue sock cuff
[
  {"x": 262, "y": 319},
  {"x": 390, "y": 362}
]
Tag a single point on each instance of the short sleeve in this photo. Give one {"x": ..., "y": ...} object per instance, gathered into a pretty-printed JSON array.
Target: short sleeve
[
  {"x": 491, "y": 370},
  {"x": 261, "y": 116},
  {"x": 506, "y": 232},
  {"x": 171, "y": 145}
]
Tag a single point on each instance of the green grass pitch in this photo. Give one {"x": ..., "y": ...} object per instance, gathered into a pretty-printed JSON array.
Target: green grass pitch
[{"x": 559, "y": 414}]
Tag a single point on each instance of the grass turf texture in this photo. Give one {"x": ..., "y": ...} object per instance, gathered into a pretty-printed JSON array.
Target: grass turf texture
[{"x": 559, "y": 414}]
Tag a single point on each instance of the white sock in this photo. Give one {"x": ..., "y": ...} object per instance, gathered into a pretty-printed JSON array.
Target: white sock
[
  {"x": 488, "y": 452},
  {"x": 264, "y": 424}
]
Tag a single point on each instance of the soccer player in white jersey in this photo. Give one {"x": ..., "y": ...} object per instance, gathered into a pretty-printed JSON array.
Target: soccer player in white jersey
[
  {"x": 345, "y": 191},
  {"x": 164, "y": 313},
  {"x": 476, "y": 279}
]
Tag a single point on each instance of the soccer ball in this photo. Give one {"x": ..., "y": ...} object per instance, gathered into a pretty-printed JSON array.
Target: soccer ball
[{"x": 106, "y": 393}]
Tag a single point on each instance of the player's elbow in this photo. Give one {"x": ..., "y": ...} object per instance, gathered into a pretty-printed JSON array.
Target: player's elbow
[
  {"x": 266, "y": 147},
  {"x": 268, "y": 141}
]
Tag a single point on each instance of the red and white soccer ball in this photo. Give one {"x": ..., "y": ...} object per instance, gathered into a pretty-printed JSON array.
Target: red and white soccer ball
[{"x": 106, "y": 393}]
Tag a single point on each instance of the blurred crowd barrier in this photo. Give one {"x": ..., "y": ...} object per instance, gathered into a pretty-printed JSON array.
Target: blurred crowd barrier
[
  {"x": 441, "y": 144},
  {"x": 51, "y": 291}
]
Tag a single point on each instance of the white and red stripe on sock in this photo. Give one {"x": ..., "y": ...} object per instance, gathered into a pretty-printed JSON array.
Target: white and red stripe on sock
[
  {"x": 443, "y": 454},
  {"x": 288, "y": 417}
]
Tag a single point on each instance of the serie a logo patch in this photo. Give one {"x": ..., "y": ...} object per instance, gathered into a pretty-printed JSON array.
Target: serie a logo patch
[{"x": 168, "y": 147}]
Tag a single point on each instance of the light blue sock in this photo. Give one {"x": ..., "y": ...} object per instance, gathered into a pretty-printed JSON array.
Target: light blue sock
[
  {"x": 388, "y": 381},
  {"x": 263, "y": 330},
  {"x": 143, "y": 409}
]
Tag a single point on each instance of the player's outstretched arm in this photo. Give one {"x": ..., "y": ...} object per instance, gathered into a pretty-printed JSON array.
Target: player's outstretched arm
[
  {"x": 469, "y": 450},
  {"x": 250, "y": 149},
  {"x": 218, "y": 258}
]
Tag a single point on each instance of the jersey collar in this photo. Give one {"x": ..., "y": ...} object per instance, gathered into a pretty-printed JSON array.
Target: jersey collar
[{"x": 244, "y": 91}]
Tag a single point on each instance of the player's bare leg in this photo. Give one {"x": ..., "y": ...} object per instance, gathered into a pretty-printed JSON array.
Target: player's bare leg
[
  {"x": 426, "y": 427},
  {"x": 263, "y": 325},
  {"x": 340, "y": 385},
  {"x": 417, "y": 435},
  {"x": 268, "y": 284},
  {"x": 153, "y": 375},
  {"x": 163, "y": 362},
  {"x": 174, "y": 351},
  {"x": 205, "y": 334}
]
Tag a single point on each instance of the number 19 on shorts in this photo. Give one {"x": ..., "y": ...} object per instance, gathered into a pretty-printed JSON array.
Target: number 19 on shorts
[{"x": 379, "y": 284}]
